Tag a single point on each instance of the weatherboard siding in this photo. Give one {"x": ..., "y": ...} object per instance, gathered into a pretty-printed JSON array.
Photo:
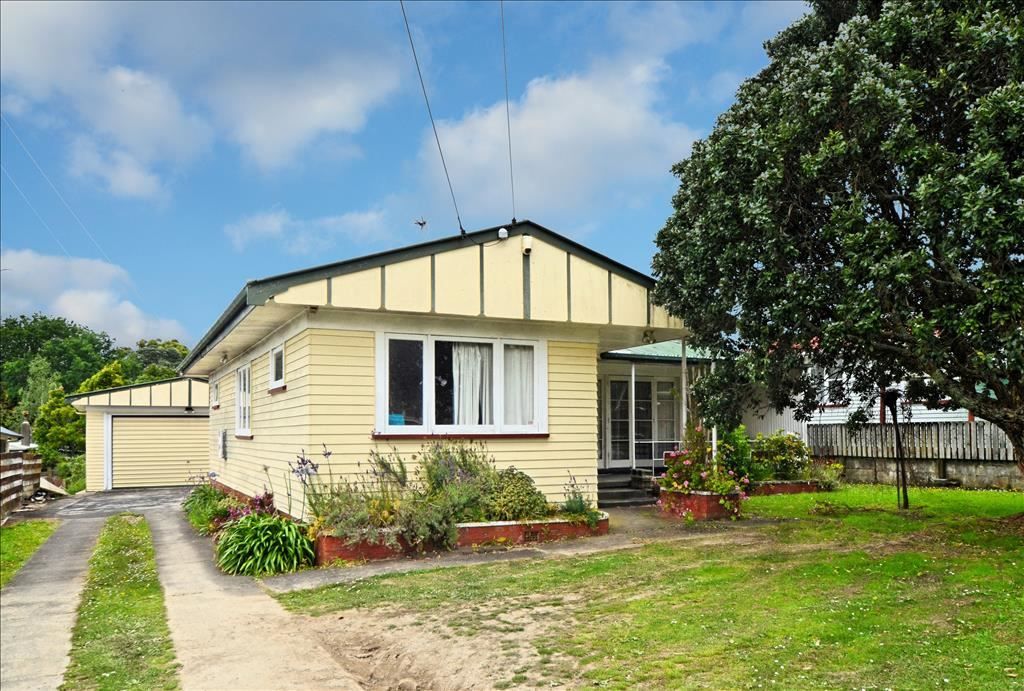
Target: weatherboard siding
[
  {"x": 94, "y": 450},
  {"x": 342, "y": 412},
  {"x": 279, "y": 422}
]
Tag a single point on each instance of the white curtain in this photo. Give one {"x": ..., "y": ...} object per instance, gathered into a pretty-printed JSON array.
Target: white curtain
[
  {"x": 518, "y": 385},
  {"x": 472, "y": 385}
]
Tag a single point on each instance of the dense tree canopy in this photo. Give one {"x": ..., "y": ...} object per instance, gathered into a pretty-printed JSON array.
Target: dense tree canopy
[
  {"x": 40, "y": 353},
  {"x": 855, "y": 219}
]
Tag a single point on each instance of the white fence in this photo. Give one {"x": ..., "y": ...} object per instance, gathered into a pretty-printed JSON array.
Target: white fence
[{"x": 975, "y": 440}]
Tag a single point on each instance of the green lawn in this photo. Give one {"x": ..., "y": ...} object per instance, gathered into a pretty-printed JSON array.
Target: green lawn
[
  {"x": 121, "y": 639},
  {"x": 20, "y": 541},
  {"x": 842, "y": 591}
]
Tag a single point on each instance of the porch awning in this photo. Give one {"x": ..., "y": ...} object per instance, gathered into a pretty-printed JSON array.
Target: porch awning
[{"x": 669, "y": 352}]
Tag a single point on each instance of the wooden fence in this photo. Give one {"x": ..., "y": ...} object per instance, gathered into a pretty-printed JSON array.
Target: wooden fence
[
  {"x": 19, "y": 478},
  {"x": 972, "y": 441}
]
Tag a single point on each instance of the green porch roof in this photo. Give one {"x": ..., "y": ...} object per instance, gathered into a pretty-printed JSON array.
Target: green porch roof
[{"x": 666, "y": 351}]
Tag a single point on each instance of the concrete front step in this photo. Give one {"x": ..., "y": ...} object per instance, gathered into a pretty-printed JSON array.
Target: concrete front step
[
  {"x": 609, "y": 481},
  {"x": 639, "y": 500}
]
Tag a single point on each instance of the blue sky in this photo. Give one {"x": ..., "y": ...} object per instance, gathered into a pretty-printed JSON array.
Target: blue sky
[{"x": 192, "y": 147}]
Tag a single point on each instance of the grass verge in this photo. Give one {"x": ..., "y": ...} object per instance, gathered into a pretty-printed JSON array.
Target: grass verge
[
  {"x": 20, "y": 541},
  {"x": 121, "y": 639},
  {"x": 845, "y": 593}
]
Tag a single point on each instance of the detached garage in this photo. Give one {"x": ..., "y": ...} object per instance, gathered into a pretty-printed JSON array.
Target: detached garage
[{"x": 145, "y": 435}]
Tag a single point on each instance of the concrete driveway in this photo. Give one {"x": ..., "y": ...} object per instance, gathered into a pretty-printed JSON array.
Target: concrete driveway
[
  {"x": 104, "y": 504},
  {"x": 227, "y": 632}
]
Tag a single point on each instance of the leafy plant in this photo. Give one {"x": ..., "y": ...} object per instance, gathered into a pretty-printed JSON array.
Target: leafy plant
[
  {"x": 207, "y": 508},
  {"x": 72, "y": 471},
  {"x": 784, "y": 455},
  {"x": 262, "y": 544},
  {"x": 828, "y": 474},
  {"x": 692, "y": 469},
  {"x": 577, "y": 506},
  {"x": 734, "y": 453},
  {"x": 515, "y": 497}
]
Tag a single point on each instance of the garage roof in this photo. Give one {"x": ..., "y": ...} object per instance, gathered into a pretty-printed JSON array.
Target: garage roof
[{"x": 180, "y": 392}]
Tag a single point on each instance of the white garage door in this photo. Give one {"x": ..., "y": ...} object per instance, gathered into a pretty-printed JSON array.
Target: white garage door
[{"x": 149, "y": 451}]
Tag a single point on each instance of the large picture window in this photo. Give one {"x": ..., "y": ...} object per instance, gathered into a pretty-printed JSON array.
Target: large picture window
[{"x": 452, "y": 385}]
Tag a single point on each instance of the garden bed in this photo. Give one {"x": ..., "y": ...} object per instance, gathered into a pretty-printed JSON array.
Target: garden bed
[
  {"x": 786, "y": 487},
  {"x": 698, "y": 506},
  {"x": 330, "y": 548}
]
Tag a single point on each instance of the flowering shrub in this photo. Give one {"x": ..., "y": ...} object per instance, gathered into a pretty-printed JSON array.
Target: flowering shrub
[
  {"x": 784, "y": 455},
  {"x": 693, "y": 469}
]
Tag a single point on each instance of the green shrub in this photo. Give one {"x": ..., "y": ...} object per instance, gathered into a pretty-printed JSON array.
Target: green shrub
[
  {"x": 785, "y": 455},
  {"x": 515, "y": 497},
  {"x": 205, "y": 505},
  {"x": 828, "y": 474},
  {"x": 734, "y": 454},
  {"x": 446, "y": 463},
  {"x": 72, "y": 471},
  {"x": 263, "y": 544},
  {"x": 577, "y": 507}
]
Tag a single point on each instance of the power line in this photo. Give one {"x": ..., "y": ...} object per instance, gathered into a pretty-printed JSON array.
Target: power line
[
  {"x": 431, "y": 114},
  {"x": 54, "y": 188},
  {"x": 508, "y": 116},
  {"x": 41, "y": 220}
]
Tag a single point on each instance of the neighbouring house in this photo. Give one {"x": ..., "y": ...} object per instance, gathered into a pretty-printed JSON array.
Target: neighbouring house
[
  {"x": 7, "y": 436},
  {"x": 145, "y": 435},
  {"x": 511, "y": 336}
]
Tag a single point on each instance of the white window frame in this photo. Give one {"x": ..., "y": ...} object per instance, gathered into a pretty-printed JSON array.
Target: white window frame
[
  {"x": 243, "y": 402},
  {"x": 429, "y": 427},
  {"x": 271, "y": 382},
  {"x": 215, "y": 393}
]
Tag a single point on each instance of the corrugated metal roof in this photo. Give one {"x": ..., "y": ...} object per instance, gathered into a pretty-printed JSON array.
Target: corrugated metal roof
[
  {"x": 666, "y": 350},
  {"x": 9, "y": 433}
]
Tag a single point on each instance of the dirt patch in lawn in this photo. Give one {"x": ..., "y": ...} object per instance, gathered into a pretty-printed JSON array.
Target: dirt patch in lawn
[{"x": 466, "y": 647}]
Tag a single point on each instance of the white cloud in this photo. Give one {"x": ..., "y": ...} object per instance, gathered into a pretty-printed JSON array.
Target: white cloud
[
  {"x": 272, "y": 81},
  {"x": 302, "y": 236},
  {"x": 580, "y": 141},
  {"x": 122, "y": 174},
  {"x": 87, "y": 291},
  {"x": 719, "y": 88},
  {"x": 273, "y": 116}
]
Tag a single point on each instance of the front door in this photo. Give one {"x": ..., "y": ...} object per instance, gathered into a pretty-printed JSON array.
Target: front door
[{"x": 655, "y": 416}]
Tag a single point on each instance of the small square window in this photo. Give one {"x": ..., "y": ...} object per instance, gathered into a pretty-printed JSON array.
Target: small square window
[{"x": 276, "y": 367}]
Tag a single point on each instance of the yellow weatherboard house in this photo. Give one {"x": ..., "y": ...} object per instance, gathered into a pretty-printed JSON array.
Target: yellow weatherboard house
[{"x": 494, "y": 335}]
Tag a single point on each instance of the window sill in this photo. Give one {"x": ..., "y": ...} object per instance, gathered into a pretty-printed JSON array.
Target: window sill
[
  {"x": 277, "y": 389},
  {"x": 384, "y": 436},
  {"x": 243, "y": 436}
]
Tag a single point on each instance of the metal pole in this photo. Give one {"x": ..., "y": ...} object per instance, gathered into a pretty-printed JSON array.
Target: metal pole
[
  {"x": 714, "y": 430},
  {"x": 632, "y": 415},
  {"x": 684, "y": 419}
]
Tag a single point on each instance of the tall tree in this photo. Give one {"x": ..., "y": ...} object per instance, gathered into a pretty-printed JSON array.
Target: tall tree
[
  {"x": 73, "y": 351},
  {"x": 41, "y": 381},
  {"x": 855, "y": 218},
  {"x": 156, "y": 357},
  {"x": 109, "y": 376}
]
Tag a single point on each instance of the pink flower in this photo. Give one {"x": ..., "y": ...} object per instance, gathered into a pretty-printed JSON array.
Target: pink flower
[
  {"x": 686, "y": 483},
  {"x": 704, "y": 474},
  {"x": 687, "y": 462},
  {"x": 731, "y": 473}
]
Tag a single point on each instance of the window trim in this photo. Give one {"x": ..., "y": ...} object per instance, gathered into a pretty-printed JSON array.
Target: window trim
[
  {"x": 247, "y": 430},
  {"x": 429, "y": 428},
  {"x": 274, "y": 385}
]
